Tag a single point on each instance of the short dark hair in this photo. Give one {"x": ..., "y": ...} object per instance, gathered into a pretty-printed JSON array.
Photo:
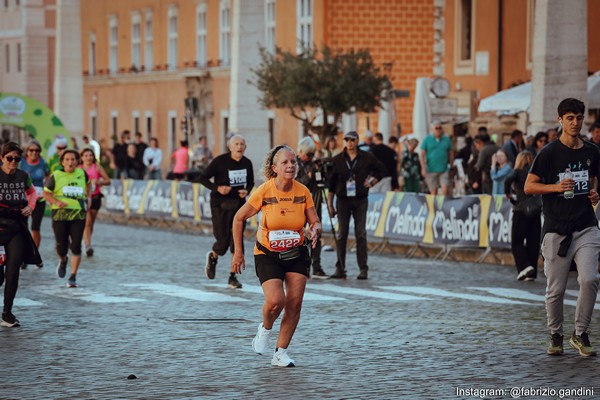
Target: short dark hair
[
  {"x": 10, "y": 147},
  {"x": 393, "y": 139},
  {"x": 570, "y": 105},
  {"x": 70, "y": 151},
  {"x": 379, "y": 136},
  {"x": 516, "y": 133},
  {"x": 184, "y": 143},
  {"x": 540, "y": 135},
  {"x": 595, "y": 125},
  {"x": 483, "y": 137}
]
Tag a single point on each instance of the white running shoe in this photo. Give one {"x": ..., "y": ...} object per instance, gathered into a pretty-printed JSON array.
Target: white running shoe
[
  {"x": 525, "y": 273},
  {"x": 281, "y": 359},
  {"x": 261, "y": 340}
]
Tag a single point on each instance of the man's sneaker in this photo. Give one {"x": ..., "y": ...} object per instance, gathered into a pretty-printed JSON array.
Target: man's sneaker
[
  {"x": 234, "y": 283},
  {"x": 525, "y": 273},
  {"x": 72, "y": 281},
  {"x": 363, "y": 276},
  {"x": 40, "y": 265},
  {"x": 89, "y": 252},
  {"x": 582, "y": 343},
  {"x": 319, "y": 274},
  {"x": 555, "y": 347},
  {"x": 338, "y": 275},
  {"x": 61, "y": 268},
  {"x": 261, "y": 340},
  {"x": 211, "y": 265},
  {"x": 281, "y": 359},
  {"x": 9, "y": 320}
]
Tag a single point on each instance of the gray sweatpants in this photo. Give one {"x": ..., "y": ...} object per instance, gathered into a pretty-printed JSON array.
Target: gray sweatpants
[{"x": 584, "y": 250}]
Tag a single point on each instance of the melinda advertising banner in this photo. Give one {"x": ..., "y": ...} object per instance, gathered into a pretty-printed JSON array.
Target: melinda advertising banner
[
  {"x": 404, "y": 217},
  {"x": 470, "y": 221}
]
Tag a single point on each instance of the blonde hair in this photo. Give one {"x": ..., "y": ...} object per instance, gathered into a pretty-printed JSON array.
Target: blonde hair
[
  {"x": 272, "y": 158},
  {"x": 524, "y": 160}
]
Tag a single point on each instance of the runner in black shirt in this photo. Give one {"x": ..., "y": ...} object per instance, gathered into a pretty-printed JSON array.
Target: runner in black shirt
[
  {"x": 17, "y": 202},
  {"x": 565, "y": 174},
  {"x": 232, "y": 180}
]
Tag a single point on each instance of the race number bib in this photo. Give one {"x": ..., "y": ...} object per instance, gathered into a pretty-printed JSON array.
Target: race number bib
[
  {"x": 39, "y": 191},
  {"x": 282, "y": 240},
  {"x": 237, "y": 178},
  {"x": 582, "y": 181},
  {"x": 351, "y": 188},
  {"x": 75, "y": 192}
]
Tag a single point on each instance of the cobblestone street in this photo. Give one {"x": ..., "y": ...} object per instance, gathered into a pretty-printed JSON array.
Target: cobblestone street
[{"x": 416, "y": 329}]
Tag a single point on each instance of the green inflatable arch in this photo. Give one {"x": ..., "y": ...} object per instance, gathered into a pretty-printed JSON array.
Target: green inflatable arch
[{"x": 32, "y": 116}]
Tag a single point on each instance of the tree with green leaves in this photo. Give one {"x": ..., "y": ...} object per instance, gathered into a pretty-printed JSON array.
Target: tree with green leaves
[{"x": 333, "y": 82}]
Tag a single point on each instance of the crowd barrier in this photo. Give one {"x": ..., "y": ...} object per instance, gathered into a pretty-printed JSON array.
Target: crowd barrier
[{"x": 478, "y": 221}]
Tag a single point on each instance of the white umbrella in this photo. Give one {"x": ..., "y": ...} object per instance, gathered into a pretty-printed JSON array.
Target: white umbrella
[
  {"x": 518, "y": 99},
  {"x": 422, "y": 109},
  {"x": 510, "y": 101},
  {"x": 593, "y": 88}
]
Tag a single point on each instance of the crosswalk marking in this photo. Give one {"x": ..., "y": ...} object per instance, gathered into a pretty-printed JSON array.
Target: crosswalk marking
[
  {"x": 368, "y": 293},
  {"x": 328, "y": 292},
  {"x": 524, "y": 295},
  {"x": 84, "y": 294},
  {"x": 307, "y": 295},
  {"x": 25, "y": 302},
  {"x": 184, "y": 292},
  {"x": 445, "y": 293}
]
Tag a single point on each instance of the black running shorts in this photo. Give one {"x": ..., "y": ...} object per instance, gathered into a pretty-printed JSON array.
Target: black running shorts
[
  {"x": 268, "y": 267},
  {"x": 96, "y": 202}
]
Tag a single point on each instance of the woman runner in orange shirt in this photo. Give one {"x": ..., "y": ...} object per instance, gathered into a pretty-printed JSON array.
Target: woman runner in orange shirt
[{"x": 280, "y": 253}]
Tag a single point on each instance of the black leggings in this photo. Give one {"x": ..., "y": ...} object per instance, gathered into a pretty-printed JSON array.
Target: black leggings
[
  {"x": 63, "y": 230},
  {"x": 222, "y": 221},
  {"x": 14, "y": 259},
  {"x": 37, "y": 215}
]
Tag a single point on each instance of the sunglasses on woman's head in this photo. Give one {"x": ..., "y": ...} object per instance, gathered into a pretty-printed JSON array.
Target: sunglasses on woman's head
[{"x": 13, "y": 159}]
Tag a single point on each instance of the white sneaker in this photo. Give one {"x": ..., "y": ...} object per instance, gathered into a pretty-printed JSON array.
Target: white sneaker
[
  {"x": 525, "y": 273},
  {"x": 281, "y": 359},
  {"x": 261, "y": 340}
]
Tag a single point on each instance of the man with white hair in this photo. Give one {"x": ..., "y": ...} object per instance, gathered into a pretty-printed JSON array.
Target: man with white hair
[
  {"x": 310, "y": 176},
  {"x": 60, "y": 144},
  {"x": 232, "y": 180}
]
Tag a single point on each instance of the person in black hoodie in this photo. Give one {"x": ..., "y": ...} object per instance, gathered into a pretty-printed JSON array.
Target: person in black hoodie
[
  {"x": 526, "y": 221},
  {"x": 232, "y": 180},
  {"x": 17, "y": 202}
]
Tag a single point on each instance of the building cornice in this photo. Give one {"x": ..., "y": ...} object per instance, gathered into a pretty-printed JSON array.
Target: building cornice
[{"x": 156, "y": 76}]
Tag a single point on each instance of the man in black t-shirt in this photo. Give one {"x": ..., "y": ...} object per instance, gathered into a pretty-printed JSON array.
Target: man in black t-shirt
[
  {"x": 565, "y": 173},
  {"x": 232, "y": 180},
  {"x": 119, "y": 156}
]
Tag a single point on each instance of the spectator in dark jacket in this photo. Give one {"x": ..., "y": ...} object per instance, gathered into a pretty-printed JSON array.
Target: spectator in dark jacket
[
  {"x": 486, "y": 149},
  {"x": 526, "y": 222},
  {"x": 514, "y": 146},
  {"x": 389, "y": 159}
]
